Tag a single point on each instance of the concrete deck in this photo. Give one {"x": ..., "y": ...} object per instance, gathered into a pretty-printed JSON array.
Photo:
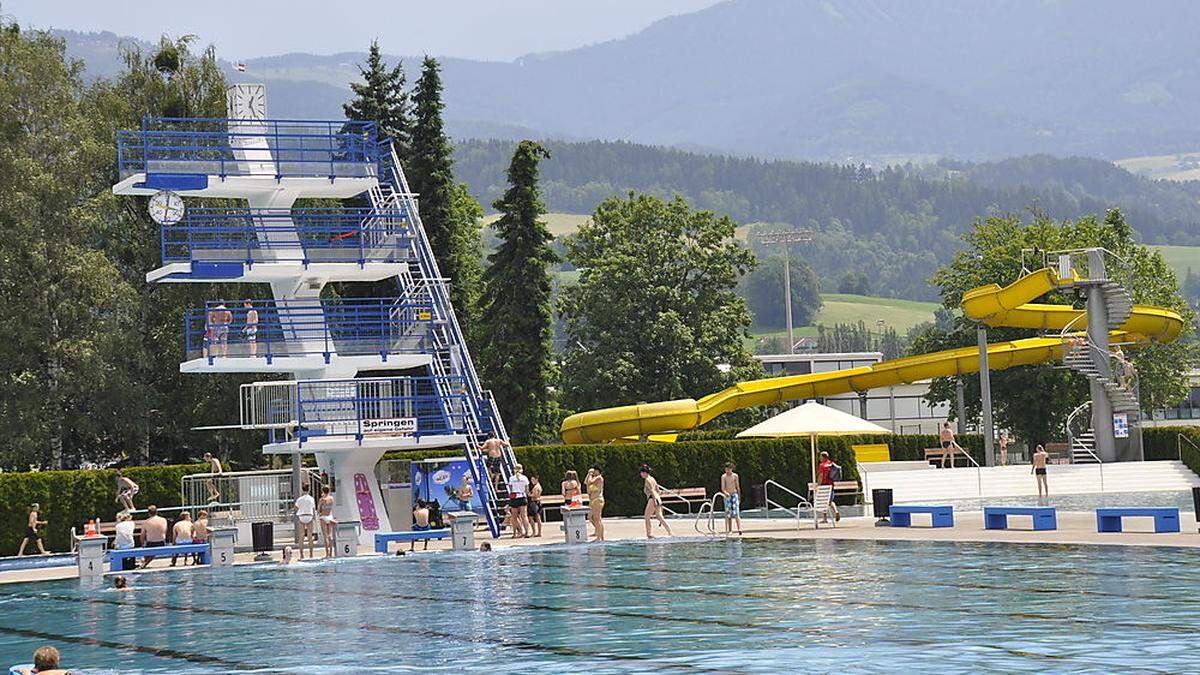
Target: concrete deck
[{"x": 1075, "y": 527}]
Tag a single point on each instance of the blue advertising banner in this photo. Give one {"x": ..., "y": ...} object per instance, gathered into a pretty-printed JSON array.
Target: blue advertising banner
[{"x": 447, "y": 482}]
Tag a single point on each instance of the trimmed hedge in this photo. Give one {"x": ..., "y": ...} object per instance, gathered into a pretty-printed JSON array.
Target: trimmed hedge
[
  {"x": 69, "y": 498},
  {"x": 1164, "y": 443}
]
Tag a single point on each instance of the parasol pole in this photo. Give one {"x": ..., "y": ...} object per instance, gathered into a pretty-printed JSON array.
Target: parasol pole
[{"x": 813, "y": 464}]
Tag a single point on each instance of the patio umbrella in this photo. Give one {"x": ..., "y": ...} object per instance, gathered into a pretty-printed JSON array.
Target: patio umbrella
[{"x": 813, "y": 419}]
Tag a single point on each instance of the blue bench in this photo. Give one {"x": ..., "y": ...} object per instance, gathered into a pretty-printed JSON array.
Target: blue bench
[
  {"x": 996, "y": 517},
  {"x": 942, "y": 516},
  {"x": 117, "y": 556},
  {"x": 383, "y": 538},
  {"x": 1166, "y": 519}
]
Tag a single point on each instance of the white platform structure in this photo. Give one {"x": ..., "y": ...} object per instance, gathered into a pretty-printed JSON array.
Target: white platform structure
[
  {"x": 430, "y": 395},
  {"x": 913, "y": 482}
]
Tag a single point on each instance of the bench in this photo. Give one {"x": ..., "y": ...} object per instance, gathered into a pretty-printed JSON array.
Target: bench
[
  {"x": 383, "y": 538},
  {"x": 996, "y": 517},
  {"x": 1166, "y": 519},
  {"x": 693, "y": 496},
  {"x": 941, "y": 516},
  {"x": 117, "y": 556},
  {"x": 940, "y": 453},
  {"x": 840, "y": 487}
]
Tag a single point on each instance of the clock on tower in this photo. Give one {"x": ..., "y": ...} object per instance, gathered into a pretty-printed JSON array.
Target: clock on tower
[{"x": 246, "y": 101}]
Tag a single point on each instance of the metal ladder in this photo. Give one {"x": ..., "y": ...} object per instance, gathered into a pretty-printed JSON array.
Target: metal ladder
[{"x": 469, "y": 407}]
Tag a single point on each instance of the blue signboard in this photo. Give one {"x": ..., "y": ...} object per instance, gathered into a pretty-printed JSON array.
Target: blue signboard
[{"x": 445, "y": 481}]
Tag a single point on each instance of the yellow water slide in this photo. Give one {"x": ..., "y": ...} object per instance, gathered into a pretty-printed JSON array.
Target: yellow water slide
[{"x": 992, "y": 305}]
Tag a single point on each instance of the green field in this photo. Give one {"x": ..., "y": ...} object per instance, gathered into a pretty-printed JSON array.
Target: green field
[
  {"x": 1180, "y": 258},
  {"x": 1179, "y": 166},
  {"x": 900, "y": 315},
  {"x": 559, "y": 223}
]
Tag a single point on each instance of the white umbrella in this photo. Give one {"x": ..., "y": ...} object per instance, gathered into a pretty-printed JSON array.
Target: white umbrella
[{"x": 813, "y": 419}]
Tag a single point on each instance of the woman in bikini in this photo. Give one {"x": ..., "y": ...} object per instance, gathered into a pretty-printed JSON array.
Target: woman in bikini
[
  {"x": 570, "y": 489},
  {"x": 325, "y": 516},
  {"x": 654, "y": 507},
  {"x": 595, "y": 490}
]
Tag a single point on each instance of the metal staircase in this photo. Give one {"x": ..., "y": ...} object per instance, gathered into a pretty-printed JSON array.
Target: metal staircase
[
  {"x": 1082, "y": 355},
  {"x": 451, "y": 363}
]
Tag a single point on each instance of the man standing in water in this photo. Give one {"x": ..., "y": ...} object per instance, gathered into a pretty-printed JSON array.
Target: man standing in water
[
  {"x": 731, "y": 487},
  {"x": 1039, "y": 471}
]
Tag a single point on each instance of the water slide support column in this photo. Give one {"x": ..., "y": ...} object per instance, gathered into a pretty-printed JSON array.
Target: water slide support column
[
  {"x": 1097, "y": 337},
  {"x": 985, "y": 393},
  {"x": 960, "y": 400}
]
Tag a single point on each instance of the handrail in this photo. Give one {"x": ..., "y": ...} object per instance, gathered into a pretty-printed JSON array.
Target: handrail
[
  {"x": 711, "y": 504},
  {"x": 678, "y": 496},
  {"x": 1179, "y": 445},
  {"x": 801, "y": 500}
]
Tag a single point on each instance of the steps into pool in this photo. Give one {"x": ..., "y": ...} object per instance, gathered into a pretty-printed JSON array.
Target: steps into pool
[{"x": 921, "y": 485}]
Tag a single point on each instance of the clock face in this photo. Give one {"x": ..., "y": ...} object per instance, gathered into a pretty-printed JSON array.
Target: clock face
[
  {"x": 247, "y": 102},
  {"x": 166, "y": 207}
]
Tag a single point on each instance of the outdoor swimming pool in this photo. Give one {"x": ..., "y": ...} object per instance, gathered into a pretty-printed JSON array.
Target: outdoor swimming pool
[{"x": 755, "y": 605}]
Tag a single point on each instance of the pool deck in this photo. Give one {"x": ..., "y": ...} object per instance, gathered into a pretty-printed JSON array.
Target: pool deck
[{"x": 1074, "y": 528}]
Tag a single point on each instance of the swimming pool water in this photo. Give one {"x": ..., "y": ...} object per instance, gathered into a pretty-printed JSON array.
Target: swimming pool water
[{"x": 682, "y": 606}]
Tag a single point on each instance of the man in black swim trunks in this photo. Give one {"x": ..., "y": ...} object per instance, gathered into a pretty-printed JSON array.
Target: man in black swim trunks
[{"x": 31, "y": 533}]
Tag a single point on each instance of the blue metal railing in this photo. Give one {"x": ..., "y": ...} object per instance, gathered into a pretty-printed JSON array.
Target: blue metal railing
[
  {"x": 228, "y": 147},
  {"x": 365, "y": 407},
  {"x": 235, "y": 234},
  {"x": 275, "y": 328}
]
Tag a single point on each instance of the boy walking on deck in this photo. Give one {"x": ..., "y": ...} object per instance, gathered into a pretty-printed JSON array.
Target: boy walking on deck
[
  {"x": 731, "y": 487},
  {"x": 31, "y": 533}
]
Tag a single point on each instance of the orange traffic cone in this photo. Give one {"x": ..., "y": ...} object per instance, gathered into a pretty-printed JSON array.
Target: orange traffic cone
[{"x": 91, "y": 528}]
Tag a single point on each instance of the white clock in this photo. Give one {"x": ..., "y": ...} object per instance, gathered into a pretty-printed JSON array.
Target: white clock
[
  {"x": 246, "y": 102},
  {"x": 166, "y": 207}
]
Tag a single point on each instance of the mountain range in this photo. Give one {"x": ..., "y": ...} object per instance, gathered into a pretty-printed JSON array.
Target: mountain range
[{"x": 815, "y": 79}]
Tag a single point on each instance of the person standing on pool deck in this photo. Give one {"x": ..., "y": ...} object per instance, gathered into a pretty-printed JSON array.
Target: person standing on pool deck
[
  {"x": 731, "y": 487},
  {"x": 946, "y": 435},
  {"x": 654, "y": 508},
  {"x": 328, "y": 524},
  {"x": 250, "y": 330},
  {"x": 534, "y": 509},
  {"x": 595, "y": 489},
  {"x": 570, "y": 489},
  {"x": 31, "y": 533},
  {"x": 126, "y": 489},
  {"x": 825, "y": 477},
  {"x": 518, "y": 501},
  {"x": 1039, "y": 471},
  {"x": 306, "y": 513},
  {"x": 154, "y": 532},
  {"x": 1004, "y": 441}
]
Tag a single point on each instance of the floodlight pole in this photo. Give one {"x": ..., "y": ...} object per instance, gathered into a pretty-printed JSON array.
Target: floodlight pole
[{"x": 787, "y": 238}]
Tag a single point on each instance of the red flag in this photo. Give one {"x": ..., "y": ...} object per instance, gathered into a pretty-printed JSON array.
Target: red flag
[{"x": 241, "y": 67}]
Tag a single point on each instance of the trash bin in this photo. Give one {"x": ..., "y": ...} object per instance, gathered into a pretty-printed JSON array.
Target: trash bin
[
  {"x": 758, "y": 496},
  {"x": 262, "y": 535},
  {"x": 882, "y": 500}
]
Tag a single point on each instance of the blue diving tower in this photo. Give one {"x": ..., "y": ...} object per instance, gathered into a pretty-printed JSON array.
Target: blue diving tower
[{"x": 427, "y": 393}]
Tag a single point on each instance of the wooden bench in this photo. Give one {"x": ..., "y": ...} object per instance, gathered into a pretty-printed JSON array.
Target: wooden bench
[
  {"x": 383, "y": 538},
  {"x": 940, "y": 515},
  {"x": 117, "y": 556},
  {"x": 1166, "y": 519},
  {"x": 996, "y": 517},
  {"x": 940, "y": 453},
  {"x": 692, "y": 496},
  {"x": 846, "y": 487}
]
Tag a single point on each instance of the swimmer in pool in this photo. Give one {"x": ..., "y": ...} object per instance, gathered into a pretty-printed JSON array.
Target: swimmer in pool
[{"x": 306, "y": 513}]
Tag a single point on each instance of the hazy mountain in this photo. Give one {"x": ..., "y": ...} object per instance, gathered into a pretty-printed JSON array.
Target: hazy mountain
[{"x": 824, "y": 80}]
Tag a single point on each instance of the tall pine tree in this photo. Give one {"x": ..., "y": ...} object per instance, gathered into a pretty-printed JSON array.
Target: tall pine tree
[
  {"x": 515, "y": 326},
  {"x": 449, "y": 213},
  {"x": 381, "y": 98}
]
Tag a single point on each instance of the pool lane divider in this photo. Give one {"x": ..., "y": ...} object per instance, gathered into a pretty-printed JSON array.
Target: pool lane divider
[
  {"x": 374, "y": 628},
  {"x": 160, "y": 652}
]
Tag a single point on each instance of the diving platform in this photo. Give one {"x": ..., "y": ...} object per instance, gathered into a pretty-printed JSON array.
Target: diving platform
[
  {"x": 305, "y": 363},
  {"x": 266, "y": 273}
]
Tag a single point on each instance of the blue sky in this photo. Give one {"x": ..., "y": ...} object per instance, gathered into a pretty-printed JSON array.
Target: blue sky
[{"x": 476, "y": 29}]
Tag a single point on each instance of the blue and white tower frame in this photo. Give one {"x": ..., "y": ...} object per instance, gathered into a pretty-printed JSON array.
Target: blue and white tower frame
[{"x": 365, "y": 375}]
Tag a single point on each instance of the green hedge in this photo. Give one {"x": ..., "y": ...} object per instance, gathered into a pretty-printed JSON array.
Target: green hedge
[
  {"x": 1164, "y": 443},
  {"x": 69, "y": 498}
]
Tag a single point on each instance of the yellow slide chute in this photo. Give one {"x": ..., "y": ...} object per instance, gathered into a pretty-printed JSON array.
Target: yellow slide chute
[{"x": 992, "y": 305}]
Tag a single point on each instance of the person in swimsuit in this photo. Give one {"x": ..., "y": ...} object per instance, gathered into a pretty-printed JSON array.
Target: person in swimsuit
[
  {"x": 654, "y": 507},
  {"x": 518, "y": 502},
  {"x": 182, "y": 533},
  {"x": 494, "y": 447},
  {"x": 154, "y": 533},
  {"x": 46, "y": 661},
  {"x": 946, "y": 435},
  {"x": 464, "y": 493},
  {"x": 534, "y": 509},
  {"x": 420, "y": 522},
  {"x": 200, "y": 532},
  {"x": 31, "y": 532},
  {"x": 250, "y": 330},
  {"x": 126, "y": 489},
  {"x": 1039, "y": 471},
  {"x": 328, "y": 524},
  {"x": 1004, "y": 441},
  {"x": 306, "y": 512},
  {"x": 214, "y": 467},
  {"x": 595, "y": 489},
  {"x": 570, "y": 489},
  {"x": 731, "y": 487}
]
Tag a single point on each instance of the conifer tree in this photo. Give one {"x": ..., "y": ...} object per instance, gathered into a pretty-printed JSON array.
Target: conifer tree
[
  {"x": 516, "y": 312},
  {"x": 381, "y": 98},
  {"x": 449, "y": 213}
]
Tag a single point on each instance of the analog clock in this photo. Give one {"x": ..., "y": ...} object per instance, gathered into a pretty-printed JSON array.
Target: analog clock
[
  {"x": 247, "y": 102},
  {"x": 166, "y": 207}
]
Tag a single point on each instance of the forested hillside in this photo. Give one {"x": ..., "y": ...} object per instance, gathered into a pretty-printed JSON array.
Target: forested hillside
[{"x": 896, "y": 224}]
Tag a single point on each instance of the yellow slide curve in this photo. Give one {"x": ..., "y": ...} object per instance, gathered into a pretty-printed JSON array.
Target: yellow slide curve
[{"x": 992, "y": 305}]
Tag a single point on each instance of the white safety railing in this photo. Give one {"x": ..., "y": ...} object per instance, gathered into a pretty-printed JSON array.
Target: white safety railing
[{"x": 246, "y": 495}]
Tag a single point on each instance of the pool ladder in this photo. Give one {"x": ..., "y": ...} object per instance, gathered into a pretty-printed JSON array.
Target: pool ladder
[{"x": 708, "y": 526}]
